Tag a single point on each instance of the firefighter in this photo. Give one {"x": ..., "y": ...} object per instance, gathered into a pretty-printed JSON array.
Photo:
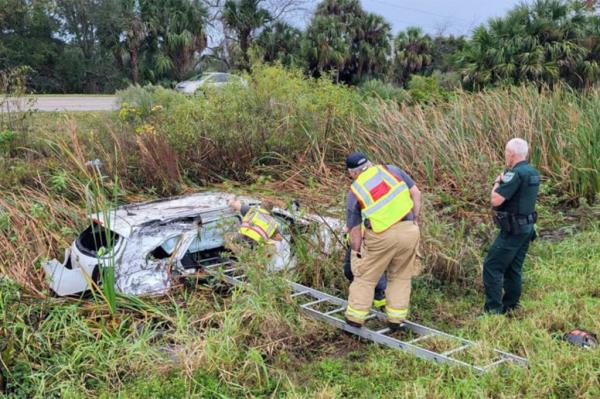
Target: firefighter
[
  {"x": 258, "y": 225},
  {"x": 382, "y": 214}
]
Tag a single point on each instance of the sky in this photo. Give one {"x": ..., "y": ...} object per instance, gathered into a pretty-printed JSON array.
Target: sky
[{"x": 457, "y": 17}]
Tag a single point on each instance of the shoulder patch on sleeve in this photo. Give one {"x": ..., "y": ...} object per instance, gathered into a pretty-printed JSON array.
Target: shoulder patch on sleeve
[
  {"x": 534, "y": 180},
  {"x": 508, "y": 176}
]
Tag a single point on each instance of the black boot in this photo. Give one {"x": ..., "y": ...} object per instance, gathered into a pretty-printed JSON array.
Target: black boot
[
  {"x": 395, "y": 327},
  {"x": 353, "y": 323}
]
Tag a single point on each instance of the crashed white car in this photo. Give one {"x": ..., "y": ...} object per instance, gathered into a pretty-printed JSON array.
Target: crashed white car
[{"x": 151, "y": 244}]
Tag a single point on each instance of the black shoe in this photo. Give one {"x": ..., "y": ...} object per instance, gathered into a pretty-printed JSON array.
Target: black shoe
[
  {"x": 510, "y": 313},
  {"x": 395, "y": 327},
  {"x": 353, "y": 323}
]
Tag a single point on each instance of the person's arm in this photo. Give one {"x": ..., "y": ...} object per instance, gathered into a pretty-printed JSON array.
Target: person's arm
[
  {"x": 353, "y": 221},
  {"x": 236, "y": 205},
  {"x": 355, "y": 238},
  {"x": 505, "y": 186},
  {"x": 496, "y": 199},
  {"x": 415, "y": 194}
]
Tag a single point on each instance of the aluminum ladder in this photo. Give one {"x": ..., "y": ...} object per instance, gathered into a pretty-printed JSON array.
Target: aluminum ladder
[{"x": 330, "y": 309}]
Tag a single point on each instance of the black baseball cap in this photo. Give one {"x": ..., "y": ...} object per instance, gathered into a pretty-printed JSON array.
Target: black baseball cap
[{"x": 356, "y": 160}]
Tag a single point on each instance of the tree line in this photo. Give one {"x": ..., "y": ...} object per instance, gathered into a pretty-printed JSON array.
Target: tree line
[{"x": 95, "y": 46}]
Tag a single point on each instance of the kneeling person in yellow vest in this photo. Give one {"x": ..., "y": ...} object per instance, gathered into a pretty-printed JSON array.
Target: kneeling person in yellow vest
[
  {"x": 258, "y": 225},
  {"x": 382, "y": 211}
]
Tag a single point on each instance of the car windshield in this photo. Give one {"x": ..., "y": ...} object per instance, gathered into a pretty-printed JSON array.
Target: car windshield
[
  {"x": 210, "y": 77},
  {"x": 96, "y": 240}
]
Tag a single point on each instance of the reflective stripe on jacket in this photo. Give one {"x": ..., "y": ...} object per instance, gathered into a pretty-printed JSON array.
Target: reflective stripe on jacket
[
  {"x": 384, "y": 198},
  {"x": 259, "y": 225}
]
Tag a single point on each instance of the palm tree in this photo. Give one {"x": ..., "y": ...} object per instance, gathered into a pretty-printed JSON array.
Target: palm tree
[
  {"x": 372, "y": 42},
  {"x": 543, "y": 42},
  {"x": 342, "y": 37},
  {"x": 176, "y": 34},
  {"x": 136, "y": 31},
  {"x": 413, "y": 53},
  {"x": 280, "y": 42},
  {"x": 325, "y": 47},
  {"x": 244, "y": 17}
]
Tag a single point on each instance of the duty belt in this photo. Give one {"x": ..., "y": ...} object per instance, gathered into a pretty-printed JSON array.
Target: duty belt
[{"x": 512, "y": 223}]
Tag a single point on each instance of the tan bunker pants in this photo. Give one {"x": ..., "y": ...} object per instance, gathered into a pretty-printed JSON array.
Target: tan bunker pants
[{"x": 393, "y": 250}]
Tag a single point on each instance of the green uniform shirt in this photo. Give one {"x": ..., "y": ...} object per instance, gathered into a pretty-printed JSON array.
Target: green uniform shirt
[{"x": 519, "y": 187}]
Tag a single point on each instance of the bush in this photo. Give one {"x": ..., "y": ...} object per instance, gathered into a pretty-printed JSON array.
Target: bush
[
  {"x": 7, "y": 138},
  {"x": 227, "y": 132},
  {"x": 425, "y": 89},
  {"x": 384, "y": 91}
]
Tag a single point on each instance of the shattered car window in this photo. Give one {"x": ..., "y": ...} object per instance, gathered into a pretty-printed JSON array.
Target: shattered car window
[
  {"x": 165, "y": 250},
  {"x": 97, "y": 240},
  {"x": 169, "y": 245}
]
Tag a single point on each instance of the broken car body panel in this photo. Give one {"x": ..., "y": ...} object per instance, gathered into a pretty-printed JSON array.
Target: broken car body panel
[{"x": 150, "y": 243}]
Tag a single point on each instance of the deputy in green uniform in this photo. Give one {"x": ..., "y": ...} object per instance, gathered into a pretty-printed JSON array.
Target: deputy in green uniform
[{"x": 513, "y": 200}]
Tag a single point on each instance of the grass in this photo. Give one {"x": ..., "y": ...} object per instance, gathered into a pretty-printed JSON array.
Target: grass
[
  {"x": 197, "y": 343},
  {"x": 73, "y": 95}
]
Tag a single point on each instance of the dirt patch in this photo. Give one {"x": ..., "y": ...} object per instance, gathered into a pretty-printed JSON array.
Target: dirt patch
[{"x": 325, "y": 343}]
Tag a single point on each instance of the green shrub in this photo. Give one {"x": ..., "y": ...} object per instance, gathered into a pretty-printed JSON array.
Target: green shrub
[
  {"x": 7, "y": 138},
  {"x": 382, "y": 90},
  {"x": 230, "y": 130},
  {"x": 425, "y": 89}
]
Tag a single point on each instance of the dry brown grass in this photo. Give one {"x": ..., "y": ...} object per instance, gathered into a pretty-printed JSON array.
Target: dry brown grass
[{"x": 41, "y": 225}]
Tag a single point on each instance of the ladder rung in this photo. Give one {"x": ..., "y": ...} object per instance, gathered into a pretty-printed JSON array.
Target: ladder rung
[
  {"x": 334, "y": 311},
  {"x": 371, "y": 316},
  {"x": 227, "y": 271},
  {"x": 208, "y": 267},
  {"x": 306, "y": 305},
  {"x": 213, "y": 266},
  {"x": 383, "y": 331},
  {"x": 299, "y": 293},
  {"x": 497, "y": 362},
  {"x": 460, "y": 348},
  {"x": 421, "y": 338}
]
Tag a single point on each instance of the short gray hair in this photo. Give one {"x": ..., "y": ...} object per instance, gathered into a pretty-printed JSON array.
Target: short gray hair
[
  {"x": 518, "y": 146},
  {"x": 361, "y": 167}
]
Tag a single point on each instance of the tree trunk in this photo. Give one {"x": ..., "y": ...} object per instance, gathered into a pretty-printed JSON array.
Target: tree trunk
[
  {"x": 133, "y": 64},
  {"x": 116, "y": 51},
  {"x": 244, "y": 44},
  {"x": 135, "y": 36}
]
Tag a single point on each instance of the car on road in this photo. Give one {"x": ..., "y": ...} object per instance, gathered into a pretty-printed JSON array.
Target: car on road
[
  {"x": 208, "y": 80},
  {"x": 152, "y": 244}
]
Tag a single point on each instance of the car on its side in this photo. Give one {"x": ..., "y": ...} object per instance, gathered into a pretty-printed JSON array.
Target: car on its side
[
  {"x": 152, "y": 244},
  {"x": 208, "y": 80}
]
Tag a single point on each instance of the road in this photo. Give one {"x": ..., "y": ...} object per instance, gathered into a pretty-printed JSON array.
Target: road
[{"x": 60, "y": 103}]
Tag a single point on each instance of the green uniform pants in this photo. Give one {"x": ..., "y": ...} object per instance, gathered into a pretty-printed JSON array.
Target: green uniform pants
[{"x": 502, "y": 270}]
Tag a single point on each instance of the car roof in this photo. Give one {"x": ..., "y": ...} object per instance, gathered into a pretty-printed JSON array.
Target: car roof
[
  {"x": 204, "y": 75},
  {"x": 123, "y": 220}
]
